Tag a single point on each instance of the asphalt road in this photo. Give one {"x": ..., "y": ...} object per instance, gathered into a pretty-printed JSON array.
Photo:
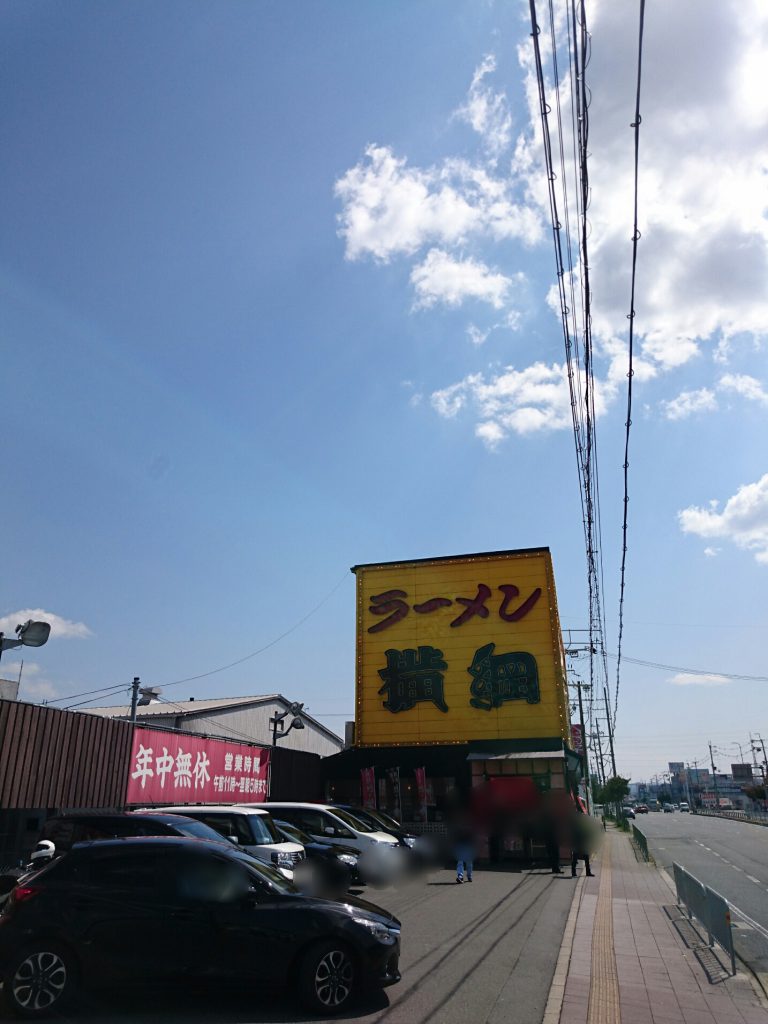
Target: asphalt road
[
  {"x": 729, "y": 856},
  {"x": 483, "y": 953}
]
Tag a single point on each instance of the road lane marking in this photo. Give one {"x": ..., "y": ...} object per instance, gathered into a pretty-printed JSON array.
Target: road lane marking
[
  {"x": 758, "y": 927},
  {"x": 755, "y": 880}
]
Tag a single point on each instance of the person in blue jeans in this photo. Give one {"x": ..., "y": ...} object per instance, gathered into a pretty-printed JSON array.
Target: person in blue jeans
[
  {"x": 465, "y": 853},
  {"x": 464, "y": 859}
]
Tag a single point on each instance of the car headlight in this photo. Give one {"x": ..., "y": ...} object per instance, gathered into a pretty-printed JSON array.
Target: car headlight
[
  {"x": 347, "y": 858},
  {"x": 379, "y": 931},
  {"x": 409, "y": 841}
]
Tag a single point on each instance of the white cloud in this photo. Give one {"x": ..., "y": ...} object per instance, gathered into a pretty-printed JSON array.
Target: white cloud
[
  {"x": 711, "y": 552},
  {"x": 476, "y": 336},
  {"x": 61, "y": 628},
  {"x": 689, "y": 402},
  {"x": 35, "y": 686},
  {"x": 533, "y": 400},
  {"x": 487, "y": 111},
  {"x": 744, "y": 385},
  {"x": 702, "y": 281},
  {"x": 443, "y": 278},
  {"x": 743, "y": 520},
  {"x": 703, "y": 255},
  {"x": 698, "y": 679},
  {"x": 390, "y": 209}
]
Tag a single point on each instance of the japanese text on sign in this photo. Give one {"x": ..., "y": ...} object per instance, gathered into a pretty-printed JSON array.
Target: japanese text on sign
[
  {"x": 166, "y": 767},
  {"x": 460, "y": 648}
]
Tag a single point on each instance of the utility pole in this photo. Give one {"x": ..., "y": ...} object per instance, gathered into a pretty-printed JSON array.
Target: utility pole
[
  {"x": 600, "y": 752},
  {"x": 714, "y": 778},
  {"x": 610, "y": 730},
  {"x": 584, "y": 754},
  {"x": 135, "y": 697},
  {"x": 688, "y": 787},
  {"x": 765, "y": 757}
]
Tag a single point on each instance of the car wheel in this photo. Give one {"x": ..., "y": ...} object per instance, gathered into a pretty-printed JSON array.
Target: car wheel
[
  {"x": 39, "y": 980},
  {"x": 327, "y": 976}
]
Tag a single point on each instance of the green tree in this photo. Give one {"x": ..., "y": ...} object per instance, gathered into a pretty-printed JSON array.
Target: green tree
[{"x": 614, "y": 791}]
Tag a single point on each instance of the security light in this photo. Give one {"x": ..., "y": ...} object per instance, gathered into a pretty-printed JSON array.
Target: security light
[{"x": 29, "y": 633}]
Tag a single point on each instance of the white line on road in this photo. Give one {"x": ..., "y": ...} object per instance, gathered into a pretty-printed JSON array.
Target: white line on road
[
  {"x": 755, "y": 880},
  {"x": 749, "y": 920}
]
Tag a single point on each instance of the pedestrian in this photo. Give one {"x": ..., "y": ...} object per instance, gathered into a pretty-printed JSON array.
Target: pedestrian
[
  {"x": 579, "y": 842},
  {"x": 602, "y": 818},
  {"x": 464, "y": 842}
]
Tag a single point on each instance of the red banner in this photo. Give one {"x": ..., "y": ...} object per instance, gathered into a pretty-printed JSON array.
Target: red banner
[
  {"x": 368, "y": 785},
  {"x": 577, "y": 739},
  {"x": 177, "y": 768},
  {"x": 421, "y": 791}
]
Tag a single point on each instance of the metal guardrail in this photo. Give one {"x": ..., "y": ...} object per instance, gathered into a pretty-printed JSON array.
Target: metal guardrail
[
  {"x": 641, "y": 841},
  {"x": 708, "y": 907},
  {"x": 750, "y": 818}
]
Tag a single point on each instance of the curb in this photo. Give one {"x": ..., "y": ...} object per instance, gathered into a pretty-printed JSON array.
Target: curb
[{"x": 557, "y": 988}]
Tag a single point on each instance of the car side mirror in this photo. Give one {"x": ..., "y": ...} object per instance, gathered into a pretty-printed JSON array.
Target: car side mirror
[{"x": 233, "y": 840}]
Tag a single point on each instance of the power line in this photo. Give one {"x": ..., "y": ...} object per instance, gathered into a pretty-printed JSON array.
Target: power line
[
  {"x": 692, "y": 671},
  {"x": 266, "y": 647},
  {"x": 630, "y": 374},
  {"x": 106, "y": 691}
]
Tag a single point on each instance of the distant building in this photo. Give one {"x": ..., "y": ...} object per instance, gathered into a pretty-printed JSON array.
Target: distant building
[
  {"x": 241, "y": 718},
  {"x": 9, "y": 689}
]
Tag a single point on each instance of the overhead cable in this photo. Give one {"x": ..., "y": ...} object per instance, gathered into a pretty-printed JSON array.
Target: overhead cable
[{"x": 630, "y": 373}]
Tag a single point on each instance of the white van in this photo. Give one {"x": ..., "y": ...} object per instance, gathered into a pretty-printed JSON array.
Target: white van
[
  {"x": 252, "y": 828},
  {"x": 326, "y": 822}
]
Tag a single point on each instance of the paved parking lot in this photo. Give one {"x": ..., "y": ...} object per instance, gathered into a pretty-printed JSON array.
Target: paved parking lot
[{"x": 484, "y": 953}]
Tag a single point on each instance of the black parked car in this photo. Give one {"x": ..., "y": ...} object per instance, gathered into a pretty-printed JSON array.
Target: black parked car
[
  {"x": 164, "y": 908},
  {"x": 67, "y": 829},
  {"x": 335, "y": 865}
]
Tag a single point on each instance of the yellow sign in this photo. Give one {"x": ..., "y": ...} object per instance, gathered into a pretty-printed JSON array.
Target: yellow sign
[{"x": 458, "y": 649}]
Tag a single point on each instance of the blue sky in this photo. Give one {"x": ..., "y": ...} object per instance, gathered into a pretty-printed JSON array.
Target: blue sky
[{"x": 274, "y": 288}]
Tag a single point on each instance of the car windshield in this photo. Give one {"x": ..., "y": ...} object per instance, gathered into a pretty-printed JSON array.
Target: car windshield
[
  {"x": 264, "y": 829},
  {"x": 384, "y": 819},
  {"x": 265, "y": 874},
  {"x": 196, "y": 830},
  {"x": 352, "y": 821},
  {"x": 293, "y": 832}
]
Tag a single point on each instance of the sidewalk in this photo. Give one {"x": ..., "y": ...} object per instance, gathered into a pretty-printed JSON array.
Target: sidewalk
[{"x": 624, "y": 961}]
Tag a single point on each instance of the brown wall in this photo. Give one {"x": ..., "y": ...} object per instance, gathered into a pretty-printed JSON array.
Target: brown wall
[{"x": 54, "y": 758}]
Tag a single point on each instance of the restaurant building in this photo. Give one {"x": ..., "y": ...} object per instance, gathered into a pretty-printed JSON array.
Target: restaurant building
[{"x": 460, "y": 689}]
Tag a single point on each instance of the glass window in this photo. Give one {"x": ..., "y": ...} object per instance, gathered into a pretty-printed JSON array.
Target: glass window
[
  {"x": 352, "y": 821},
  {"x": 209, "y": 880},
  {"x": 310, "y": 821},
  {"x": 227, "y": 825},
  {"x": 263, "y": 829},
  {"x": 137, "y": 871},
  {"x": 293, "y": 832}
]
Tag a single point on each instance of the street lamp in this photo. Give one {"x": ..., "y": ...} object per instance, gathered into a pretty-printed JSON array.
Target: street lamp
[
  {"x": 29, "y": 633},
  {"x": 294, "y": 709}
]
